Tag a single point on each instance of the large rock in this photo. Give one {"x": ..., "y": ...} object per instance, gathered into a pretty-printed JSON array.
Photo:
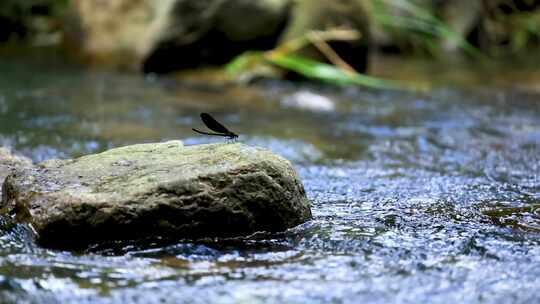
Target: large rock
[{"x": 162, "y": 189}]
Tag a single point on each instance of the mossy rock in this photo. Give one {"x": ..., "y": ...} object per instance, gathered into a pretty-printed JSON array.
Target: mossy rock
[{"x": 157, "y": 190}]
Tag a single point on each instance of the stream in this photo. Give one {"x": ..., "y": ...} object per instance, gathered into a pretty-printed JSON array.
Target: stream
[{"x": 417, "y": 197}]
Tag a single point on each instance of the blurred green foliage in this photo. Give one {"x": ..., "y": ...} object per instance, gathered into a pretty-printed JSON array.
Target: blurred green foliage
[
  {"x": 418, "y": 25},
  {"x": 16, "y": 16},
  {"x": 24, "y": 8}
]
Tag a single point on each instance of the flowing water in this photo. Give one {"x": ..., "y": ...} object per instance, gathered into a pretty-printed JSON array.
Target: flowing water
[{"x": 417, "y": 197}]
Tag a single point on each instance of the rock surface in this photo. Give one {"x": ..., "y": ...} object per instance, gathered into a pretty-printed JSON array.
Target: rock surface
[
  {"x": 10, "y": 163},
  {"x": 161, "y": 189}
]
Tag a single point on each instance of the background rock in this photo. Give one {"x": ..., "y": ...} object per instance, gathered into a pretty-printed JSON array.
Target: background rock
[
  {"x": 111, "y": 32},
  {"x": 162, "y": 189},
  {"x": 212, "y": 32},
  {"x": 163, "y": 36}
]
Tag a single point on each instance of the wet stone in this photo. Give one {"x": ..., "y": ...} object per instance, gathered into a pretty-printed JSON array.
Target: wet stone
[
  {"x": 157, "y": 190},
  {"x": 10, "y": 163}
]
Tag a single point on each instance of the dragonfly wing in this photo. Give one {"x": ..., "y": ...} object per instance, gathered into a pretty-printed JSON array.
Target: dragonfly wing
[{"x": 213, "y": 124}]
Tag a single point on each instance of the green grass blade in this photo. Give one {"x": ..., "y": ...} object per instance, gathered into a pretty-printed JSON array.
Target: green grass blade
[
  {"x": 421, "y": 20},
  {"x": 329, "y": 73}
]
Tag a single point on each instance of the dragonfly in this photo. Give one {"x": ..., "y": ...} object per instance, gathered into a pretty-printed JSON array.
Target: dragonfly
[{"x": 215, "y": 126}]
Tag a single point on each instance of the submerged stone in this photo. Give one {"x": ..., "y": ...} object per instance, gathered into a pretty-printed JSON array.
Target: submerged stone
[{"x": 154, "y": 190}]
